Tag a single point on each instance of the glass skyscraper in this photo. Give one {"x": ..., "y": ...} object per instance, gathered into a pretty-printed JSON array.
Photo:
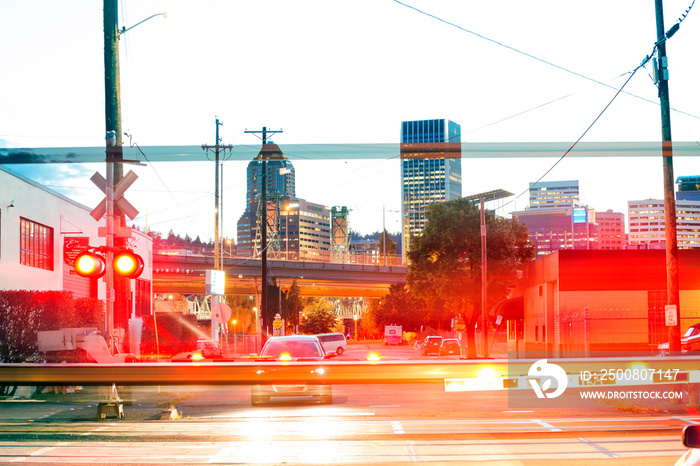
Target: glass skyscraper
[
  {"x": 431, "y": 170},
  {"x": 280, "y": 183}
]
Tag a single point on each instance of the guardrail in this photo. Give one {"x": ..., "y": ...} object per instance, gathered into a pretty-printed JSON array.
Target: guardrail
[{"x": 471, "y": 375}]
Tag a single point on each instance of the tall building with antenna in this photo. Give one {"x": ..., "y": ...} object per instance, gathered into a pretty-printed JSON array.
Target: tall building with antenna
[
  {"x": 280, "y": 184},
  {"x": 431, "y": 170}
]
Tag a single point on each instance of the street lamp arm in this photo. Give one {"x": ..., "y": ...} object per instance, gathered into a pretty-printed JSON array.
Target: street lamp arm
[{"x": 164, "y": 15}]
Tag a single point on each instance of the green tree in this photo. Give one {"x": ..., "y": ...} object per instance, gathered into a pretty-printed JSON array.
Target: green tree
[
  {"x": 319, "y": 317},
  {"x": 385, "y": 238},
  {"x": 292, "y": 305},
  {"x": 398, "y": 307},
  {"x": 445, "y": 261}
]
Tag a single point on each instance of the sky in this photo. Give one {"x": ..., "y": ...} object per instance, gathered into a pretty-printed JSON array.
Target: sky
[{"x": 332, "y": 72}]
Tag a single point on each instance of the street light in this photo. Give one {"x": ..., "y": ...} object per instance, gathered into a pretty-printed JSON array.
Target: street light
[
  {"x": 124, "y": 29},
  {"x": 355, "y": 319}
]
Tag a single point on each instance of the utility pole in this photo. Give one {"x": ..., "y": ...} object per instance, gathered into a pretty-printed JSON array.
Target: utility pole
[
  {"x": 263, "y": 212},
  {"x": 117, "y": 286},
  {"x": 484, "y": 327},
  {"x": 217, "y": 210},
  {"x": 672, "y": 282}
]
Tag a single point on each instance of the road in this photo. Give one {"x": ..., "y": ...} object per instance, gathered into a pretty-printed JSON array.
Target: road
[{"x": 365, "y": 424}]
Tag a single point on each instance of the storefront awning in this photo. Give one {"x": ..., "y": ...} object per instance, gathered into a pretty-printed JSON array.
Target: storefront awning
[{"x": 510, "y": 309}]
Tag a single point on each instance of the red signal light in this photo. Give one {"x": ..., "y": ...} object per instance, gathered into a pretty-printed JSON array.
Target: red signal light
[
  {"x": 128, "y": 264},
  {"x": 89, "y": 264}
]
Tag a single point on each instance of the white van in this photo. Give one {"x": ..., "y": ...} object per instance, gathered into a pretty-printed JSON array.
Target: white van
[{"x": 333, "y": 342}]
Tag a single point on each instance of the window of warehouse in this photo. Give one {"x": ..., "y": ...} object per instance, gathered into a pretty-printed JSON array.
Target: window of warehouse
[{"x": 36, "y": 245}]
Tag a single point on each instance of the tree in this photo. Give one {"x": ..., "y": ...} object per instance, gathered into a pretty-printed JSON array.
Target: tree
[
  {"x": 319, "y": 317},
  {"x": 398, "y": 307},
  {"x": 445, "y": 261},
  {"x": 385, "y": 238},
  {"x": 292, "y": 305}
]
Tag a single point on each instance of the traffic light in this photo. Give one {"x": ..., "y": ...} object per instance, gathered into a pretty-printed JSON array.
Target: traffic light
[
  {"x": 89, "y": 264},
  {"x": 128, "y": 264}
]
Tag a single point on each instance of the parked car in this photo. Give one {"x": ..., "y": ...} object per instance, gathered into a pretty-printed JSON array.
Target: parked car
[
  {"x": 690, "y": 341},
  {"x": 418, "y": 344},
  {"x": 431, "y": 345},
  {"x": 293, "y": 348},
  {"x": 393, "y": 340},
  {"x": 209, "y": 348},
  {"x": 449, "y": 346},
  {"x": 333, "y": 342},
  {"x": 691, "y": 439}
]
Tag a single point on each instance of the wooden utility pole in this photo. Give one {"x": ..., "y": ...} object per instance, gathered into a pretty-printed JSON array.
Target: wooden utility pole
[
  {"x": 267, "y": 319},
  {"x": 672, "y": 282},
  {"x": 118, "y": 289},
  {"x": 217, "y": 148}
]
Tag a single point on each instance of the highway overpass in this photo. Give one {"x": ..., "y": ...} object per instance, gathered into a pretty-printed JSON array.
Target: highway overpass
[{"x": 185, "y": 274}]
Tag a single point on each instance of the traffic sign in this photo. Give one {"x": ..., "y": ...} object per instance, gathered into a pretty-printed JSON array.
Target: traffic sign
[
  {"x": 221, "y": 313},
  {"x": 460, "y": 326},
  {"x": 119, "y": 202},
  {"x": 277, "y": 324}
]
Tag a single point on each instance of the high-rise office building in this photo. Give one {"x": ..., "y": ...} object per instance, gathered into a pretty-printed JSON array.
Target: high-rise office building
[
  {"x": 280, "y": 183},
  {"x": 557, "y": 228},
  {"x": 688, "y": 188},
  {"x": 548, "y": 194},
  {"x": 431, "y": 170},
  {"x": 648, "y": 224},
  {"x": 611, "y": 230}
]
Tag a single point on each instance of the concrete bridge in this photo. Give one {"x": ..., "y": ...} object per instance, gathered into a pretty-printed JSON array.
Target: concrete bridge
[{"x": 185, "y": 274}]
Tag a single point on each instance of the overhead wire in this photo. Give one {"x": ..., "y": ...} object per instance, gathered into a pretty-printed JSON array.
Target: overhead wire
[{"x": 546, "y": 62}]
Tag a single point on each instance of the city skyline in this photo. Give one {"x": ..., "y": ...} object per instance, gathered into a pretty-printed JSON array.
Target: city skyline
[{"x": 503, "y": 79}]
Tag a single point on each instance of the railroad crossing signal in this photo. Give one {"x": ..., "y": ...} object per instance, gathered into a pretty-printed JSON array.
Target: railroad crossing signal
[
  {"x": 120, "y": 202},
  {"x": 89, "y": 264},
  {"x": 93, "y": 265}
]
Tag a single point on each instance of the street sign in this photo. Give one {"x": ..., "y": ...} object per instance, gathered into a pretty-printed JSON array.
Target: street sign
[
  {"x": 460, "y": 326},
  {"x": 277, "y": 324},
  {"x": 671, "y": 315}
]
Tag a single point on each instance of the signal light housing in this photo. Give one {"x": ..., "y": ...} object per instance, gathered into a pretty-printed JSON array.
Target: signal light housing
[
  {"x": 128, "y": 264},
  {"x": 89, "y": 264}
]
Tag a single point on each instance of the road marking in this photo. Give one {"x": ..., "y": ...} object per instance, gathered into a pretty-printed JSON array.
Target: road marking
[
  {"x": 410, "y": 449},
  {"x": 39, "y": 452},
  {"x": 396, "y": 425},
  {"x": 547, "y": 425},
  {"x": 99, "y": 429},
  {"x": 599, "y": 448}
]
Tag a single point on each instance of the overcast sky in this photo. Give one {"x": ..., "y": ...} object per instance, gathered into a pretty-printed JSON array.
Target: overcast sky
[{"x": 333, "y": 72}]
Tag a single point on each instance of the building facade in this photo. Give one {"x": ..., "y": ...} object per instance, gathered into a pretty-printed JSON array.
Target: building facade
[
  {"x": 611, "y": 230},
  {"x": 305, "y": 231},
  {"x": 431, "y": 170},
  {"x": 40, "y": 230},
  {"x": 551, "y": 194},
  {"x": 604, "y": 301},
  {"x": 554, "y": 228},
  {"x": 647, "y": 228},
  {"x": 280, "y": 183}
]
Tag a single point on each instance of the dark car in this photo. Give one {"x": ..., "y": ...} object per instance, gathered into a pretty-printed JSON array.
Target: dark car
[
  {"x": 293, "y": 348},
  {"x": 691, "y": 439},
  {"x": 431, "y": 345},
  {"x": 449, "y": 346}
]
